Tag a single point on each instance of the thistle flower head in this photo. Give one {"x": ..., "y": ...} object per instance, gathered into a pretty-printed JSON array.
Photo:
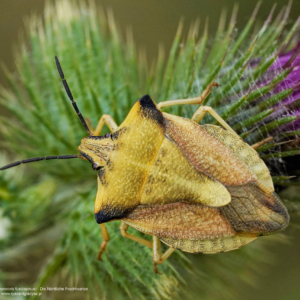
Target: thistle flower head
[{"x": 290, "y": 104}]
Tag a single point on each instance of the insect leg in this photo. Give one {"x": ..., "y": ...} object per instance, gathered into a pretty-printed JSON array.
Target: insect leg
[
  {"x": 123, "y": 230},
  {"x": 257, "y": 145},
  {"x": 196, "y": 100},
  {"x": 202, "y": 110},
  {"x": 89, "y": 124},
  {"x": 109, "y": 121},
  {"x": 157, "y": 257},
  {"x": 105, "y": 236}
]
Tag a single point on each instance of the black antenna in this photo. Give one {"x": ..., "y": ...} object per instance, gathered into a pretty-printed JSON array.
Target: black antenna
[
  {"x": 64, "y": 81},
  {"x": 29, "y": 160}
]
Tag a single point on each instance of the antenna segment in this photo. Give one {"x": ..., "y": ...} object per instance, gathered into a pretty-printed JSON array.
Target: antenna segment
[
  {"x": 29, "y": 160},
  {"x": 64, "y": 81}
]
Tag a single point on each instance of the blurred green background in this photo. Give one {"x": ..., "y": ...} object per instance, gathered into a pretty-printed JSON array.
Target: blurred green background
[{"x": 154, "y": 22}]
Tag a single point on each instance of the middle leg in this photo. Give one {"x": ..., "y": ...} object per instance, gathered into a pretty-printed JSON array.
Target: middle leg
[{"x": 123, "y": 229}]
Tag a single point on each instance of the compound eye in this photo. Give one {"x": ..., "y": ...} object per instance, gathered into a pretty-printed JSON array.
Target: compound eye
[
  {"x": 107, "y": 135},
  {"x": 96, "y": 167}
]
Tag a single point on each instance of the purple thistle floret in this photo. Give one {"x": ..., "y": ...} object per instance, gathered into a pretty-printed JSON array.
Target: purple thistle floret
[{"x": 290, "y": 106}]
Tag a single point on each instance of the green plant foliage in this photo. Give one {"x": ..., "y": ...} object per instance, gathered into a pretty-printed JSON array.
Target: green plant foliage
[{"x": 51, "y": 204}]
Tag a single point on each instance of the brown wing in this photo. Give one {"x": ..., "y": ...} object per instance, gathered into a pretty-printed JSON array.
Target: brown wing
[
  {"x": 207, "y": 153},
  {"x": 245, "y": 153},
  {"x": 198, "y": 228}
]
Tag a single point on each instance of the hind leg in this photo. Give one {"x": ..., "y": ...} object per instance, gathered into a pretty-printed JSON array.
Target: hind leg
[
  {"x": 158, "y": 258},
  {"x": 196, "y": 100},
  {"x": 202, "y": 110}
]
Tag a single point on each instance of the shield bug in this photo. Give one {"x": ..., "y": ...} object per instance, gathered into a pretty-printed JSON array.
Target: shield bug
[{"x": 196, "y": 188}]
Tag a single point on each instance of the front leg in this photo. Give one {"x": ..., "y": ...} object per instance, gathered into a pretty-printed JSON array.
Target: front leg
[
  {"x": 109, "y": 121},
  {"x": 106, "y": 238}
]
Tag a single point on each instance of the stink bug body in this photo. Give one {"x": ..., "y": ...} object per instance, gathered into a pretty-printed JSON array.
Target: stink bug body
[{"x": 197, "y": 188}]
